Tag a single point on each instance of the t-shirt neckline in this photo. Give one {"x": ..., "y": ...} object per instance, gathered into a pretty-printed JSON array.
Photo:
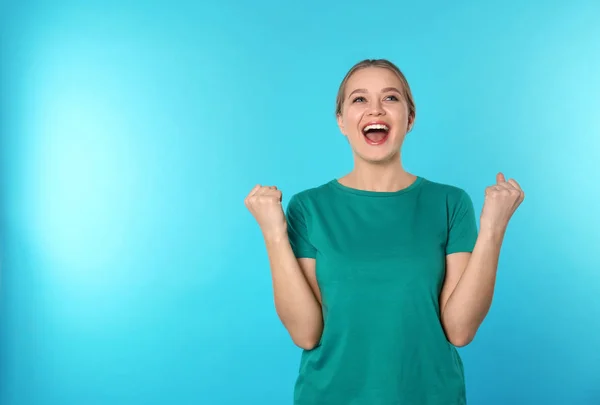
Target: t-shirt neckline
[{"x": 369, "y": 193}]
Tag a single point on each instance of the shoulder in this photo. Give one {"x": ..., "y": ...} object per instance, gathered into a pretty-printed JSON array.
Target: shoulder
[
  {"x": 304, "y": 203},
  {"x": 311, "y": 196},
  {"x": 454, "y": 198},
  {"x": 449, "y": 191},
  {"x": 303, "y": 206}
]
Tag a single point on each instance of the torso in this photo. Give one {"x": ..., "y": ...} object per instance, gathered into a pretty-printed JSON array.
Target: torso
[{"x": 380, "y": 263}]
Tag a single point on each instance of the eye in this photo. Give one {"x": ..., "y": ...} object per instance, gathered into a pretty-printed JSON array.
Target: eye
[
  {"x": 358, "y": 99},
  {"x": 392, "y": 98}
]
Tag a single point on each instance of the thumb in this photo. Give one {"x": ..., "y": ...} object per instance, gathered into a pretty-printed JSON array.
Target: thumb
[{"x": 500, "y": 178}]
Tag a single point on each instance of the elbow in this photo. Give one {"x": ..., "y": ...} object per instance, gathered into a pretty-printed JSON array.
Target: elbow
[
  {"x": 305, "y": 333},
  {"x": 306, "y": 342},
  {"x": 308, "y": 338},
  {"x": 461, "y": 339},
  {"x": 458, "y": 334}
]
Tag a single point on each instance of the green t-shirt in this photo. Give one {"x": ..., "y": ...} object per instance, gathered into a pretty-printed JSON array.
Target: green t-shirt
[{"x": 380, "y": 265}]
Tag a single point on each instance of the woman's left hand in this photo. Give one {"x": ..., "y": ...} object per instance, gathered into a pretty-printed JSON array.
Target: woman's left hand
[{"x": 501, "y": 201}]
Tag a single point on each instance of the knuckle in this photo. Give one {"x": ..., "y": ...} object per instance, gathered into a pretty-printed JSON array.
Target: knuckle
[{"x": 266, "y": 198}]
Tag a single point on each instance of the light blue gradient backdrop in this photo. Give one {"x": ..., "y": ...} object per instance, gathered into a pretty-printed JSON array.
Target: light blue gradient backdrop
[{"x": 130, "y": 134}]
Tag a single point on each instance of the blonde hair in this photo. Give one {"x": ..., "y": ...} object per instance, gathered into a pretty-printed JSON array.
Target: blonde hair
[{"x": 380, "y": 63}]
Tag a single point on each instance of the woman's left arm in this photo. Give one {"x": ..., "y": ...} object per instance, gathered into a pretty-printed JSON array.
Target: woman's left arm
[{"x": 468, "y": 287}]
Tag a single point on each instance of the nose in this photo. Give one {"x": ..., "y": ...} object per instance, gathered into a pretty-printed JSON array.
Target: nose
[{"x": 375, "y": 109}]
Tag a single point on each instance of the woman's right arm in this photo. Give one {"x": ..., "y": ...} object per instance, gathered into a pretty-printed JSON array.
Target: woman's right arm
[{"x": 297, "y": 305}]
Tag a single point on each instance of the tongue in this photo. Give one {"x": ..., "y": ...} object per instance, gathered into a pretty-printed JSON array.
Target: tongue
[{"x": 376, "y": 136}]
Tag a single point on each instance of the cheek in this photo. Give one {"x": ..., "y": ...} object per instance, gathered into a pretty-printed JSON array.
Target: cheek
[
  {"x": 351, "y": 120},
  {"x": 401, "y": 118}
]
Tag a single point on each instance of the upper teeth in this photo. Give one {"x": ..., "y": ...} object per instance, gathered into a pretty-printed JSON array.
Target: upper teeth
[{"x": 376, "y": 126}]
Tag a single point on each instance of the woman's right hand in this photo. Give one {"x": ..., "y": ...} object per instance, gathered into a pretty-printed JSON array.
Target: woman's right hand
[{"x": 264, "y": 203}]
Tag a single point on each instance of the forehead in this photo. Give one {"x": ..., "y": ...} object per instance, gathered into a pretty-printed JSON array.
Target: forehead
[{"x": 373, "y": 78}]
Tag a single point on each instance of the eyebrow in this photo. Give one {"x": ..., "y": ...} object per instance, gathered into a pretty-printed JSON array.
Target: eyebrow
[{"x": 385, "y": 90}]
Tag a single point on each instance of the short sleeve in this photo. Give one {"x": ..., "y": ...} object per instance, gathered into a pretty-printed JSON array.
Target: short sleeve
[
  {"x": 462, "y": 227},
  {"x": 298, "y": 231}
]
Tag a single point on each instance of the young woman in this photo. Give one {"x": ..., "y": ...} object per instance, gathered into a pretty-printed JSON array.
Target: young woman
[{"x": 380, "y": 274}]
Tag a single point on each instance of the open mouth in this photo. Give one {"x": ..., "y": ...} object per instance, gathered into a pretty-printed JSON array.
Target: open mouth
[{"x": 376, "y": 133}]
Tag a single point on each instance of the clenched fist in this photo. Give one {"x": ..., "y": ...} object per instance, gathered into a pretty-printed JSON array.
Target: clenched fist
[
  {"x": 501, "y": 201},
  {"x": 264, "y": 203}
]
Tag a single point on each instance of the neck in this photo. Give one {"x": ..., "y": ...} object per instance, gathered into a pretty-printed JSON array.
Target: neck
[{"x": 383, "y": 177}]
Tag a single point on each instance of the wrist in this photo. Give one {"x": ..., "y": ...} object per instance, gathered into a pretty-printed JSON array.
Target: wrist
[
  {"x": 492, "y": 233},
  {"x": 275, "y": 237}
]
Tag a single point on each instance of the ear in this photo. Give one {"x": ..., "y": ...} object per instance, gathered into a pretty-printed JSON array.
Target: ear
[
  {"x": 340, "y": 122},
  {"x": 411, "y": 123}
]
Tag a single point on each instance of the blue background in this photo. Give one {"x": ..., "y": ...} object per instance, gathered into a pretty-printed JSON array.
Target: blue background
[{"x": 133, "y": 274}]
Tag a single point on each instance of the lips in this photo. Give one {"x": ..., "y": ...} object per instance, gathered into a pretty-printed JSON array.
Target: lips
[{"x": 376, "y": 132}]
